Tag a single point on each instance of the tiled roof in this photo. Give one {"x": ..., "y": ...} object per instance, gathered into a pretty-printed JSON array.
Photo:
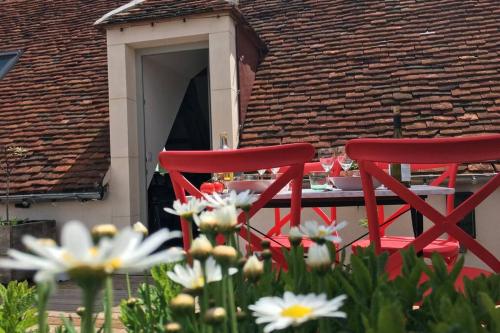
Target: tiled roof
[
  {"x": 336, "y": 68},
  {"x": 54, "y": 101},
  {"x": 164, "y": 9},
  {"x": 333, "y": 72}
]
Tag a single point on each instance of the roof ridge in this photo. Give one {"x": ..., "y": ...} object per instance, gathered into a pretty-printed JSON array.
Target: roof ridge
[{"x": 115, "y": 11}]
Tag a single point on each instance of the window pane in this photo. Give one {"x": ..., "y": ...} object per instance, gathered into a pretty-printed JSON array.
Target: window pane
[
  {"x": 7, "y": 60},
  {"x": 4, "y": 59}
]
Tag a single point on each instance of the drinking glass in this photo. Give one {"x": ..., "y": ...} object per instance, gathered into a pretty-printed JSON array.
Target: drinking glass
[
  {"x": 274, "y": 171},
  {"x": 326, "y": 158},
  {"x": 261, "y": 172},
  {"x": 344, "y": 160}
]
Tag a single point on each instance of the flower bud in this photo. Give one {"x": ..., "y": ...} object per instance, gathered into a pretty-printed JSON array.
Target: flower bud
[
  {"x": 173, "y": 327},
  {"x": 265, "y": 244},
  {"x": 225, "y": 255},
  {"x": 267, "y": 254},
  {"x": 241, "y": 315},
  {"x": 103, "y": 230},
  {"x": 132, "y": 302},
  {"x": 80, "y": 311},
  {"x": 215, "y": 316},
  {"x": 295, "y": 236},
  {"x": 201, "y": 248},
  {"x": 182, "y": 303},
  {"x": 253, "y": 268},
  {"x": 227, "y": 218},
  {"x": 140, "y": 229},
  {"x": 207, "y": 222},
  {"x": 318, "y": 257}
]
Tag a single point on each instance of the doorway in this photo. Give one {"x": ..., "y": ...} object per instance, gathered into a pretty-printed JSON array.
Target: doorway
[{"x": 176, "y": 116}]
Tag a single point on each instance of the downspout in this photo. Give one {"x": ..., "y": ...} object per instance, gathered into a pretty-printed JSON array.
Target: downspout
[{"x": 240, "y": 122}]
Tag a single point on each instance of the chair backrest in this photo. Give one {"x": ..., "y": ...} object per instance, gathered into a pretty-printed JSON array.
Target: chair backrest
[
  {"x": 426, "y": 151},
  {"x": 447, "y": 172},
  {"x": 241, "y": 160}
]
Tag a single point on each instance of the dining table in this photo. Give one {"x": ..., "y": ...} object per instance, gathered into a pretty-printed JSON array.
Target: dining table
[{"x": 335, "y": 197}]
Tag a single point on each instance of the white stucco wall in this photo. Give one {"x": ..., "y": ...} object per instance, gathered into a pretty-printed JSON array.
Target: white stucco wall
[{"x": 89, "y": 212}]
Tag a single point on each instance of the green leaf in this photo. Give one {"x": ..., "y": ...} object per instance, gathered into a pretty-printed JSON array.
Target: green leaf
[
  {"x": 361, "y": 275},
  {"x": 390, "y": 320}
]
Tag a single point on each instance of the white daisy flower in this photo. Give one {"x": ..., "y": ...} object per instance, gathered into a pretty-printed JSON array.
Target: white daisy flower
[
  {"x": 253, "y": 268},
  {"x": 206, "y": 221},
  {"x": 227, "y": 218},
  {"x": 214, "y": 200},
  {"x": 318, "y": 256},
  {"x": 320, "y": 232},
  {"x": 294, "y": 234},
  {"x": 187, "y": 210},
  {"x": 242, "y": 200},
  {"x": 293, "y": 310},
  {"x": 80, "y": 257},
  {"x": 192, "y": 277}
]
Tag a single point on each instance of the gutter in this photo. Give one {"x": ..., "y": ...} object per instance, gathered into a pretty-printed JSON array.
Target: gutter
[
  {"x": 463, "y": 178},
  {"x": 27, "y": 199}
]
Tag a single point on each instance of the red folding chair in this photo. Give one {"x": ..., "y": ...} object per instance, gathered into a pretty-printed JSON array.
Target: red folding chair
[
  {"x": 426, "y": 151},
  {"x": 447, "y": 247},
  {"x": 242, "y": 160},
  {"x": 280, "y": 221}
]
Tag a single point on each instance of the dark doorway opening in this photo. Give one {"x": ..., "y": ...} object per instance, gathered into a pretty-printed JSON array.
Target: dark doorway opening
[{"x": 190, "y": 131}]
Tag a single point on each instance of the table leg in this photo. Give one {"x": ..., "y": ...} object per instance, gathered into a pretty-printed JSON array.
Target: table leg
[{"x": 417, "y": 222}]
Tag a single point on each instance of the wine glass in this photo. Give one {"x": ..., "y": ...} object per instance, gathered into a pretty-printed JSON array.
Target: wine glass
[
  {"x": 261, "y": 173},
  {"x": 274, "y": 171},
  {"x": 344, "y": 160},
  {"x": 326, "y": 158}
]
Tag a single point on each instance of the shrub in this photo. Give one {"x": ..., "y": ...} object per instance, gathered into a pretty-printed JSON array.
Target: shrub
[{"x": 17, "y": 308}]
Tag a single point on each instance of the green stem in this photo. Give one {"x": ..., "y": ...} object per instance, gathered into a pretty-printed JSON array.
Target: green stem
[
  {"x": 88, "y": 315},
  {"x": 129, "y": 288},
  {"x": 323, "y": 325},
  {"x": 204, "y": 298},
  {"x": 190, "y": 230},
  {"x": 249, "y": 245},
  {"x": 43, "y": 298},
  {"x": 148, "y": 301},
  {"x": 232, "y": 305},
  {"x": 224, "y": 298},
  {"x": 108, "y": 314}
]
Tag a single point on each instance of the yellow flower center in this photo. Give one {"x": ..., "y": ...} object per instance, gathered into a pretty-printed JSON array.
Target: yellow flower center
[
  {"x": 199, "y": 283},
  {"x": 93, "y": 251},
  {"x": 296, "y": 311},
  {"x": 112, "y": 265},
  {"x": 322, "y": 233}
]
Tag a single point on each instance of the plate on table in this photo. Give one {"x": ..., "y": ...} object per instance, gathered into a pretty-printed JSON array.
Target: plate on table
[
  {"x": 351, "y": 183},
  {"x": 255, "y": 186}
]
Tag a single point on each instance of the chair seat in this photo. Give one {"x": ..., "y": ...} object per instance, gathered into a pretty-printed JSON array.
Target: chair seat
[
  {"x": 392, "y": 244},
  {"x": 282, "y": 241}
]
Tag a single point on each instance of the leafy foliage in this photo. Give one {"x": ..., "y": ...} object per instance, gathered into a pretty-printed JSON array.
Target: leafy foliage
[
  {"x": 17, "y": 308},
  {"x": 150, "y": 312},
  {"x": 375, "y": 303}
]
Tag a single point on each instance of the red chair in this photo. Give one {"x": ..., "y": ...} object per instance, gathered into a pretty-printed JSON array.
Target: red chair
[
  {"x": 279, "y": 221},
  {"x": 242, "y": 160},
  {"x": 448, "y": 248},
  {"x": 426, "y": 151}
]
